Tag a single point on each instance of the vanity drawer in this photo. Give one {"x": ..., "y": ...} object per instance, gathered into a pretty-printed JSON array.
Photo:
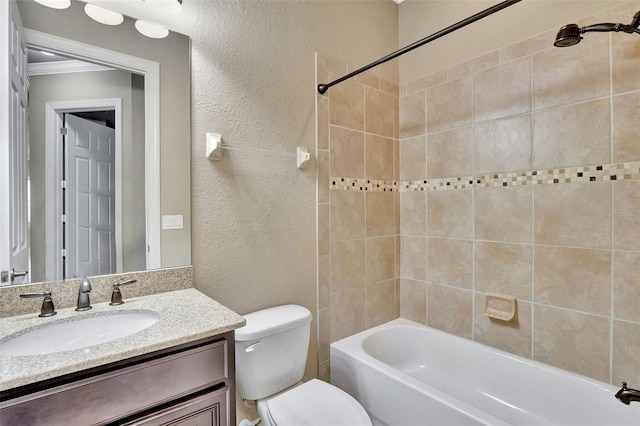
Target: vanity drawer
[{"x": 120, "y": 393}]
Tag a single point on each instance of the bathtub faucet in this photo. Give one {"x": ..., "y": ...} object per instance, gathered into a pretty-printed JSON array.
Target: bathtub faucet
[{"x": 626, "y": 395}]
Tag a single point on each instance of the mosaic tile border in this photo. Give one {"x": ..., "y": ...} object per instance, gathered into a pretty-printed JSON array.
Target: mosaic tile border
[{"x": 601, "y": 173}]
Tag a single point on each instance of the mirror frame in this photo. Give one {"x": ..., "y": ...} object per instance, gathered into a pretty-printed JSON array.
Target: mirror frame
[{"x": 151, "y": 72}]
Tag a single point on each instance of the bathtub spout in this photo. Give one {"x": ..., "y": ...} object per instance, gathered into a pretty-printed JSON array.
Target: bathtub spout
[{"x": 626, "y": 395}]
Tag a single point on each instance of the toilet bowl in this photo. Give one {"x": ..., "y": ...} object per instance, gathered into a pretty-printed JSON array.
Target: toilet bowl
[{"x": 271, "y": 353}]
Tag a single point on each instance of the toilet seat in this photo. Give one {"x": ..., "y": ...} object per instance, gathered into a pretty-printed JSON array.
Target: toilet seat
[{"x": 316, "y": 403}]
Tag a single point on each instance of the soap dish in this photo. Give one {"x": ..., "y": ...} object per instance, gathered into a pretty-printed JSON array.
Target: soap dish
[{"x": 499, "y": 306}]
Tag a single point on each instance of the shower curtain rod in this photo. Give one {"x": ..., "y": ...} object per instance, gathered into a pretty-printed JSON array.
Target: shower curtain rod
[{"x": 322, "y": 88}]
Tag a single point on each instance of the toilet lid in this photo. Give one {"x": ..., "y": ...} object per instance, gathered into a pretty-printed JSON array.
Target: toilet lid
[{"x": 317, "y": 403}]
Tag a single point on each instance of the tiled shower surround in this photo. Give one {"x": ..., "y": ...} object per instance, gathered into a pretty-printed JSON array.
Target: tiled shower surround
[{"x": 519, "y": 174}]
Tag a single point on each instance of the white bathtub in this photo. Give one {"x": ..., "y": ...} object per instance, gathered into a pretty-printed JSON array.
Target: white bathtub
[{"x": 404, "y": 373}]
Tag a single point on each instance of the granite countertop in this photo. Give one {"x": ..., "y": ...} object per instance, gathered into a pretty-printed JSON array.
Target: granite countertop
[{"x": 184, "y": 316}]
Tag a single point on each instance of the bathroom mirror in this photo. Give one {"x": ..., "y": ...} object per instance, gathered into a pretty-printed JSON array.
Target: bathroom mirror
[{"x": 152, "y": 165}]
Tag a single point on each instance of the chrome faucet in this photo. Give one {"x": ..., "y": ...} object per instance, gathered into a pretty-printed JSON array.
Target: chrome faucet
[
  {"x": 83, "y": 295},
  {"x": 627, "y": 395}
]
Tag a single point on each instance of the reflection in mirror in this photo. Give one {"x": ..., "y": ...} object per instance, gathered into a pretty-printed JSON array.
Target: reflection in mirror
[
  {"x": 127, "y": 97},
  {"x": 101, "y": 110}
]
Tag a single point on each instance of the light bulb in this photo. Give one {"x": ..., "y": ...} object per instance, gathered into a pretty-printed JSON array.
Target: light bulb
[
  {"x": 55, "y": 4},
  {"x": 151, "y": 30},
  {"x": 102, "y": 15}
]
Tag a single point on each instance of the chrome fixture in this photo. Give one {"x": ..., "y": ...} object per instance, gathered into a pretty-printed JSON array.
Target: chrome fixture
[
  {"x": 570, "y": 35},
  {"x": 47, "y": 309},
  {"x": 84, "y": 304},
  {"x": 627, "y": 395},
  {"x": 116, "y": 296}
]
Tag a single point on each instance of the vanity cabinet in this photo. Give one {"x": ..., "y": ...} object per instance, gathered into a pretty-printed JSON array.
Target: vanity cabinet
[{"x": 191, "y": 384}]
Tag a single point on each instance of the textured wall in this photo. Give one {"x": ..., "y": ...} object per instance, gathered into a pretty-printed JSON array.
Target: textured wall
[
  {"x": 525, "y": 171},
  {"x": 253, "y": 76}
]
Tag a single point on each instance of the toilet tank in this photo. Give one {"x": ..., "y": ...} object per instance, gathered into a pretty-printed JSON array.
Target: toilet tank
[{"x": 271, "y": 350}]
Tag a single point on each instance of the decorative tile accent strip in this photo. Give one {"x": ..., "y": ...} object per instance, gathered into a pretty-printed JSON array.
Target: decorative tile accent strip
[
  {"x": 602, "y": 173},
  {"x": 359, "y": 184}
]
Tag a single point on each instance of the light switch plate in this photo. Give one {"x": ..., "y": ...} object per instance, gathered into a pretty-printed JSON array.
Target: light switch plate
[{"x": 172, "y": 221}]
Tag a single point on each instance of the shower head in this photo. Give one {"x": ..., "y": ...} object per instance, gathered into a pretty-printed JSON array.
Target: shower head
[{"x": 570, "y": 35}]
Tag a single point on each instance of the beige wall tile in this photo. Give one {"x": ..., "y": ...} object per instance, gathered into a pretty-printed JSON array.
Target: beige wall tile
[
  {"x": 422, "y": 83},
  {"x": 396, "y": 118},
  {"x": 324, "y": 279},
  {"x": 573, "y": 278},
  {"x": 346, "y": 105},
  {"x": 573, "y": 215},
  {"x": 626, "y": 62},
  {"x": 326, "y": 66},
  {"x": 527, "y": 47},
  {"x": 413, "y": 213},
  {"x": 378, "y": 116},
  {"x": 450, "y": 153},
  {"x": 412, "y": 115},
  {"x": 413, "y": 158},
  {"x": 379, "y": 259},
  {"x": 368, "y": 78},
  {"x": 324, "y": 334},
  {"x": 626, "y": 285},
  {"x": 504, "y": 269},
  {"x": 413, "y": 255},
  {"x": 576, "y": 135},
  {"x": 626, "y": 214},
  {"x": 571, "y": 340},
  {"x": 323, "y": 229},
  {"x": 625, "y": 130},
  {"x": 449, "y": 105},
  {"x": 396, "y": 159},
  {"x": 502, "y": 91},
  {"x": 347, "y": 153},
  {"x": 347, "y": 265},
  {"x": 450, "y": 262},
  {"x": 451, "y": 310},
  {"x": 504, "y": 214},
  {"x": 502, "y": 145},
  {"x": 347, "y": 313},
  {"x": 474, "y": 65},
  {"x": 380, "y": 213},
  {"x": 450, "y": 214},
  {"x": 323, "y": 122},
  {"x": 390, "y": 88},
  {"x": 347, "y": 215},
  {"x": 323, "y": 176},
  {"x": 512, "y": 336},
  {"x": 378, "y": 157},
  {"x": 413, "y": 300},
  {"x": 324, "y": 371},
  {"x": 626, "y": 346},
  {"x": 380, "y": 303},
  {"x": 560, "y": 76}
]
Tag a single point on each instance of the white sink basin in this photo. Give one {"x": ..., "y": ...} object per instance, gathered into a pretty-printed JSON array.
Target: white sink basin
[{"x": 78, "y": 333}]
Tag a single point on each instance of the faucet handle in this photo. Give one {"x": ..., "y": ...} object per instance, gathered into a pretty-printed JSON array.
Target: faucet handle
[
  {"x": 116, "y": 296},
  {"x": 47, "y": 309}
]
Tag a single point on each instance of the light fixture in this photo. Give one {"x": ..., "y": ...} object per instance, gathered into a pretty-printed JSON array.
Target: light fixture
[
  {"x": 55, "y": 4},
  {"x": 102, "y": 15},
  {"x": 151, "y": 30}
]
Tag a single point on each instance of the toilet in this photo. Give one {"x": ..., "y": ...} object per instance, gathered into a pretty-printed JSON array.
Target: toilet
[{"x": 271, "y": 354}]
